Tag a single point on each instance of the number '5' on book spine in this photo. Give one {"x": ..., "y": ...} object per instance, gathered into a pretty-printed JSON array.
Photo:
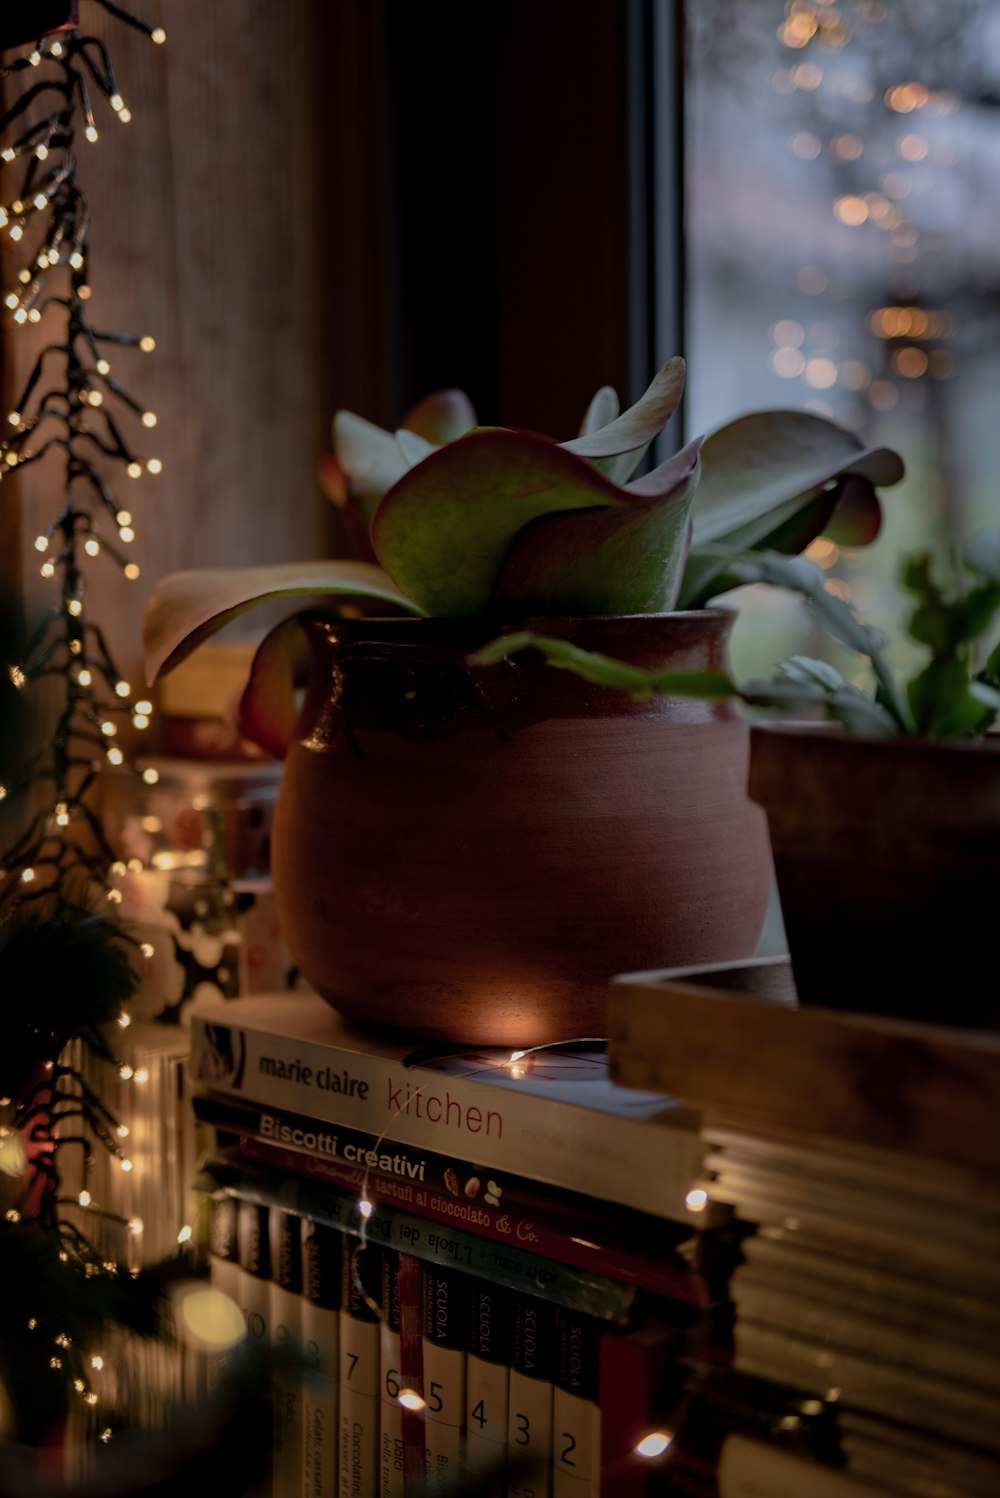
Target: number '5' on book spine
[
  {"x": 576, "y": 1415},
  {"x": 360, "y": 1314},
  {"x": 529, "y": 1413},
  {"x": 487, "y": 1379},
  {"x": 322, "y": 1273},
  {"x": 391, "y": 1482},
  {"x": 445, "y": 1309},
  {"x": 286, "y": 1337}
]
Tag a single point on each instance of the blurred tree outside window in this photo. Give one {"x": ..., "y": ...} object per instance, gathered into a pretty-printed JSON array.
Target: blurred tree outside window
[{"x": 843, "y": 255}]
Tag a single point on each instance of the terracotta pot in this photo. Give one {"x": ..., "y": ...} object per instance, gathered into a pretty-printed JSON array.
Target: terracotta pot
[
  {"x": 887, "y": 854},
  {"x": 472, "y": 854}
]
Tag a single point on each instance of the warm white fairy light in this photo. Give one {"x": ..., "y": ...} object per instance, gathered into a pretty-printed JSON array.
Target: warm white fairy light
[
  {"x": 126, "y": 534},
  {"x": 114, "y": 897},
  {"x": 92, "y": 547},
  {"x": 124, "y": 1019},
  {"x": 126, "y": 1165},
  {"x": 75, "y": 607},
  {"x": 117, "y": 102},
  {"x": 185, "y": 1234},
  {"x": 124, "y": 517},
  {"x": 83, "y": 292},
  {"x": 115, "y": 756},
  {"x": 696, "y": 1199},
  {"x": 108, "y": 728},
  {"x": 84, "y": 677},
  {"x": 132, "y": 571},
  {"x": 62, "y": 814},
  {"x": 122, "y": 688},
  {"x": 103, "y": 367},
  {"x": 27, "y": 875},
  {"x": 410, "y": 1399},
  {"x": 147, "y": 344},
  {"x": 144, "y": 707},
  {"x": 47, "y": 569},
  {"x": 154, "y": 465},
  {"x": 158, "y": 35},
  {"x": 90, "y": 1397},
  {"x": 365, "y": 1207},
  {"x": 105, "y": 1435},
  {"x": 15, "y": 233},
  {"x": 92, "y": 134},
  {"x": 142, "y": 1075},
  {"x": 12, "y": 1215},
  {"x": 134, "y": 470},
  {"x": 655, "y": 1444},
  {"x": 149, "y": 418},
  {"x": 125, "y": 1072},
  {"x": 97, "y": 1362},
  {"x": 147, "y": 949},
  {"x": 84, "y": 1198},
  {"x": 135, "y": 1226},
  {"x": 122, "y": 1130},
  {"x": 76, "y": 260},
  {"x": 140, "y": 721},
  {"x": 150, "y": 775}
]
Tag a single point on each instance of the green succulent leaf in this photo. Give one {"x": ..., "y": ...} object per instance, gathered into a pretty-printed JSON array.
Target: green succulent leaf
[
  {"x": 372, "y": 459},
  {"x": 976, "y": 611},
  {"x": 788, "y": 528},
  {"x": 943, "y": 702},
  {"x": 622, "y": 560},
  {"x": 803, "y": 668},
  {"x": 444, "y": 530},
  {"x": 187, "y": 607},
  {"x": 617, "y": 447},
  {"x": 605, "y": 671},
  {"x": 441, "y": 417}
]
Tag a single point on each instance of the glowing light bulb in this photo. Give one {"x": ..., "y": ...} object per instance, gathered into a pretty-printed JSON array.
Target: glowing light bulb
[
  {"x": 117, "y": 102},
  {"x": 109, "y": 728},
  {"x": 124, "y": 1019},
  {"x": 95, "y": 398},
  {"x": 410, "y": 1399},
  {"x": 41, "y": 542},
  {"x": 8, "y": 153},
  {"x": 184, "y": 1236},
  {"x": 76, "y": 260},
  {"x": 3, "y": 797},
  {"x": 149, "y": 418},
  {"x": 126, "y": 1166},
  {"x": 11, "y": 301},
  {"x": 91, "y": 133},
  {"x": 97, "y": 1362},
  {"x": 139, "y": 720},
  {"x": 122, "y": 688},
  {"x": 20, "y": 316},
  {"x": 84, "y": 677},
  {"x": 103, "y": 367},
  {"x": 147, "y": 949},
  {"x": 655, "y": 1444},
  {"x": 132, "y": 571},
  {"x": 27, "y": 876},
  {"x": 14, "y": 417},
  {"x": 34, "y": 315},
  {"x": 115, "y": 756},
  {"x": 696, "y": 1200},
  {"x": 126, "y": 534},
  {"x": 35, "y": 58},
  {"x": 90, "y": 1397},
  {"x": 124, "y": 115},
  {"x": 40, "y": 200},
  {"x": 142, "y": 1075},
  {"x": 42, "y": 152},
  {"x": 158, "y": 36},
  {"x": 134, "y": 470},
  {"x": 153, "y": 465},
  {"x": 57, "y": 49},
  {"x": 62, "y": 814},
  {"x": 92, "y": 547},
  {"x": 84, "y": 1198},
  {"x": 135, "y": 1226},
  {"x": 144, "y": 707},
  {"x": 125, "y": 1072},
  {"x": 150, "y": 776},
  {"x": 122, "y": 1131},
  {"x": 147, "y": 343},
  {"x": 16, "y": 232},
  {"x": 365, "y": 1208},
  {"x": 114, "y": 896},
  {"x": 17, "y": 676},
  {"x": 83, "y": 292},
  {"x": 47, "y": 569},
  {"x": 75, "y": 607}
]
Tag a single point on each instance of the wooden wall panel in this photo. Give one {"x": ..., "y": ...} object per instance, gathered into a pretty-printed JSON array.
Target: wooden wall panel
[{"x": 235, "y": 220}]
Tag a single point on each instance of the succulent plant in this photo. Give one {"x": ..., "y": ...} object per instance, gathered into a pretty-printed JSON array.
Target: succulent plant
[{"x": 497, "y": 523}]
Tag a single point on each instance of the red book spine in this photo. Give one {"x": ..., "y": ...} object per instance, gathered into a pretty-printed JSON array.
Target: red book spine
[
  {"x": 566, "y": 1246},
  {"x": 411, "y": 1368}
]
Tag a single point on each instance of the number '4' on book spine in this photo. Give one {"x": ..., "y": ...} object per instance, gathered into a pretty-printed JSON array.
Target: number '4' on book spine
[{"x": 487, "y": 1379}]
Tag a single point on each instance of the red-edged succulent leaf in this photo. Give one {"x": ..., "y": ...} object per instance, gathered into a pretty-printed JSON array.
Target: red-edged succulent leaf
[
  {"x": 268, "y": 708},
  {"x": 441, "y": 417},
  {"x": 752, "y": 465},
  {"x": 617, "y": 447},
  {"x": 186, "y": 607},
  {"x": 857, "y": 515},
  {"x": 789, "y": 529},
  {"x": 622, "y": 560},
  {"x": 445, "y": 528}
]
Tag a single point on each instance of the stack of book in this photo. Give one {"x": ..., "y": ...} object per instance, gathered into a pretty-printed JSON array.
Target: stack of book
[
  {"x": 862, "y": 1155},
  {"x": 495, "y": 1264}
]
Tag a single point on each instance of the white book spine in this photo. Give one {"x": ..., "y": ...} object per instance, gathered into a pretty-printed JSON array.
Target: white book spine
[
  {"x": 576, "y": 1415},
  {"x": 445, "y": 1312},
  {"x": 225, "y": 1274},
  {"x": 286, "y": 1337},
  {"x": 360, "y": 1366},
  {"x": 322, "y": 1249},
  {"x": 487, "y": 1381},
  {"x": 529, "y": 1413},
  {"x": 254, "y": 1279},
  {"x": 391, "y": 1479}
]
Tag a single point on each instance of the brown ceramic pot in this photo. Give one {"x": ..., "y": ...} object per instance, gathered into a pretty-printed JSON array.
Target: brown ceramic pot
[
  {"x": 887, "y": 854},
  {"x": 471, "y": 854}
]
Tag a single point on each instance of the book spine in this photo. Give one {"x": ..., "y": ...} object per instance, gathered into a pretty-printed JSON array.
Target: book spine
[
  {"x": 523, "y": 1217},
  {"x": 514, "y": 1267},
  {"x": 322, "y": 1273},
  {"x": 254, "y": 1280},
  {"x": 445, "y": 1311},
  {"x": 286, "y": 1336},
  {"x": 223, "y": 1248},
  {"x": 636, "y": 1369},
  {"x": 360, "y": 1314},
  {"x": 576, "y": 1415},
  {"x": 391, "y": 1483},
  {"x": 487, "y": 1381},
  {"x": 409, "y": 1283},
  {"x": 597, "y": 1152},
  {"x": 529, "y": 1413}
]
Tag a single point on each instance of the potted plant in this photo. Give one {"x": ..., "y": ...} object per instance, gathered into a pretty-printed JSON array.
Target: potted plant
[
  {"x": 470, "y": 852},
  {"x": 886, "y": 834}
]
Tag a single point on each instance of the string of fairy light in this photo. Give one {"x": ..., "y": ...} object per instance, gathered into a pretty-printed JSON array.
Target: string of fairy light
[{"x": 71, "y": 408}]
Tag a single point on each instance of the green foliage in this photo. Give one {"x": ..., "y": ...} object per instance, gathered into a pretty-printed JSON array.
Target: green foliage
[
  {"x": 463, "y": 521},
  {"x": 950, "y": 697}
]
